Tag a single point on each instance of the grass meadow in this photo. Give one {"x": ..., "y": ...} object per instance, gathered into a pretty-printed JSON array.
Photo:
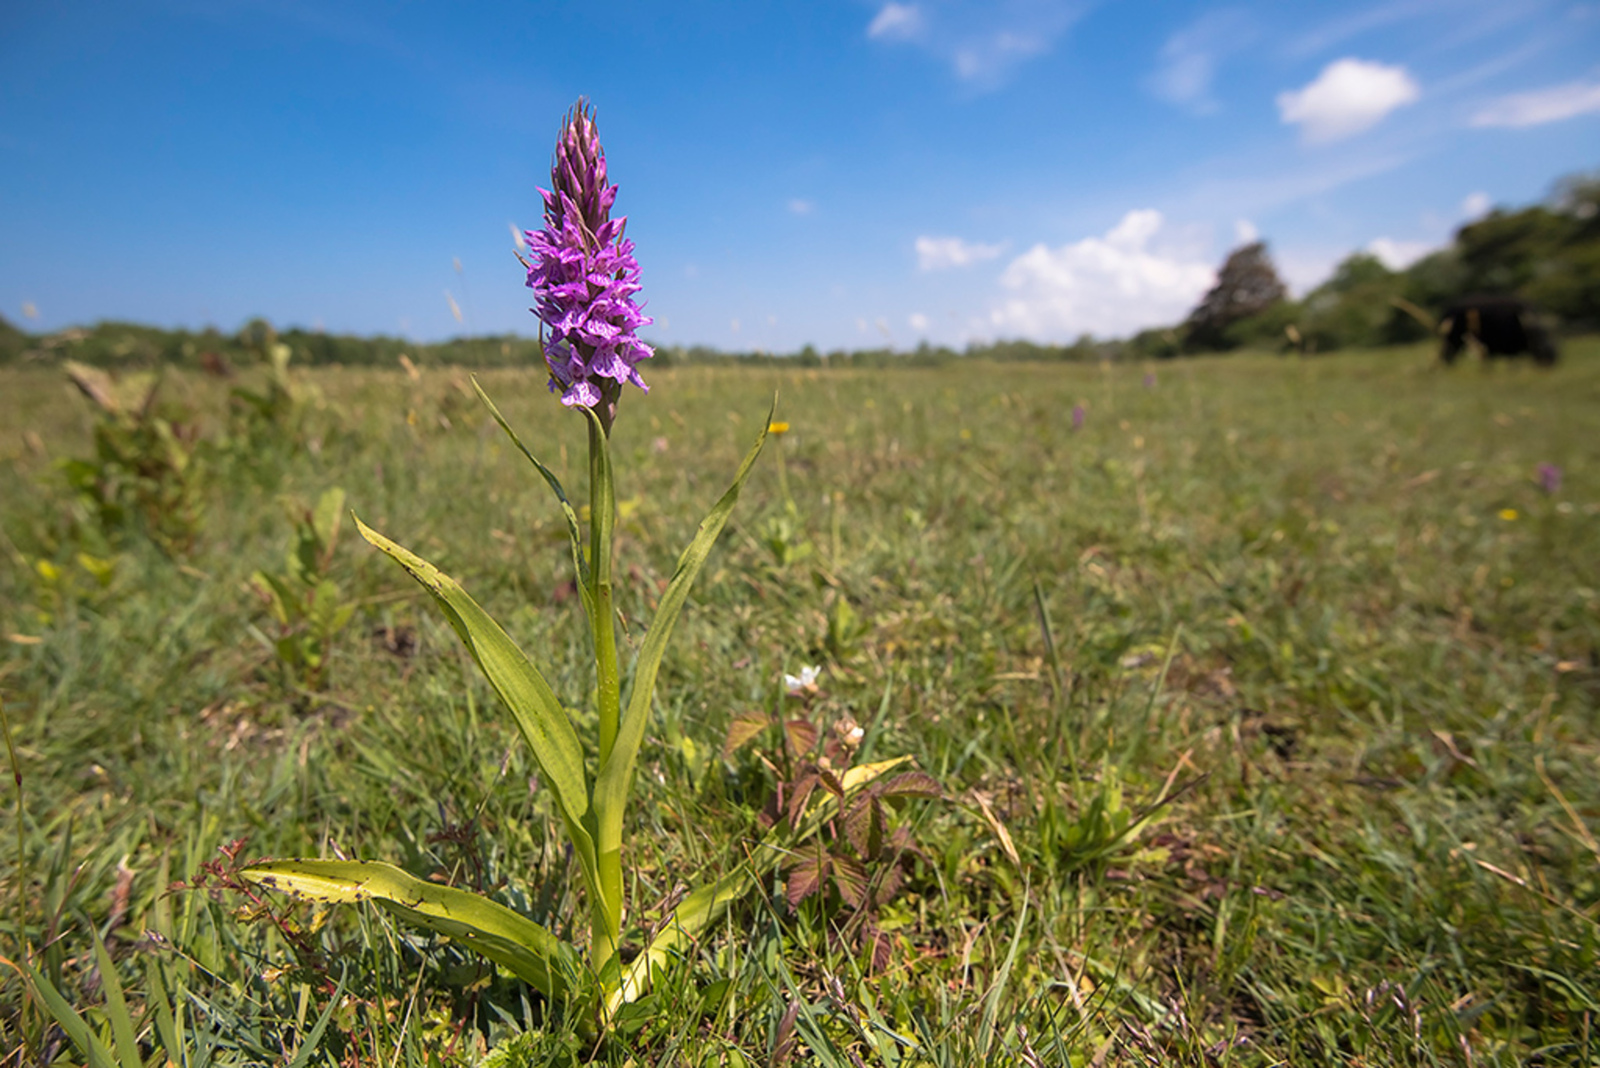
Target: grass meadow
[{"x": 1262, "y": 705}]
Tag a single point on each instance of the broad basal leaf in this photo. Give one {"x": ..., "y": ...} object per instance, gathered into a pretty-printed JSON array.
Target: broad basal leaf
[
  {"x": 505, "y": 937},
  {"x": 532, "y": 702}
]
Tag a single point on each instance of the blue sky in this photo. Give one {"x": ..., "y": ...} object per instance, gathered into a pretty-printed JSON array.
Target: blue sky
[{"x": 835, "y": 172}]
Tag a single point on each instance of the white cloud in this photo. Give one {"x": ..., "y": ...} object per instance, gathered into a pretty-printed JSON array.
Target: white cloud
[
  {"x": 1398, "y": 255},
  {"x": 896, "y": 22},
  {"x": 1541, "y": 106},
  {"x": 1245, "y": 232},
  {"x": 1304, "y": 269},
  {"x": 1349, "y": 96},
  {"x": 919, "y": 322},
  {"x": 939, "y": 253},
  {"x": 1476, "y": 205},
  {"x": 799, "y": 206},
  {"x": 1105, "y": 286},
  {"x": 1189, "y": 59},
  {"x": 981, "y": 40}
]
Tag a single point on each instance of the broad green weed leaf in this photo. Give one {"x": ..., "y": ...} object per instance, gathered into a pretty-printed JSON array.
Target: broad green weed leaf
[
  {"x": 325, "y": 519},
  {"x": 285, "y": 603},
  {"x": 505, "y": 937},
  {"x": 538, "y": 712}
]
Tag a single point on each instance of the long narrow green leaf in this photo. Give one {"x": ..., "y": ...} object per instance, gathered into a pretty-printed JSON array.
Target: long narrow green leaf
[
  {"x": 122, "y": 1030},
  {"x": 532, "y": 702},
  {"x": 313, "y": 1038},
  {"x": 95, "y": 1052},
  {"x": 161, "y": 1008},
  {"x": 580, "y": 563},
  {"x": 991, "y": 1003},
  {"x": 692, "y": 916},
  {"x": 505, "y": 937},
  {"x": 611, "y": 785}
]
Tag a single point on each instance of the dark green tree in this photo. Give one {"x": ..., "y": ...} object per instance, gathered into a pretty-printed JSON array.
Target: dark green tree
[{"x": 1246, "y": 285}]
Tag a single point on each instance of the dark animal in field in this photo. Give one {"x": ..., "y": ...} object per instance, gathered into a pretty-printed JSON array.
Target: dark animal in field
[{"x": 1503, "y": 326}]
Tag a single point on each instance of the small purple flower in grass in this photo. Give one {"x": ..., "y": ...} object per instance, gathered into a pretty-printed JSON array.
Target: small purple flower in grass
[
  {"x": 1078, "y": 416},
  {"x": 585, "y": 275},
  {"x": 1149, "y": 380},
  {"x": 1550, "y": 478}
]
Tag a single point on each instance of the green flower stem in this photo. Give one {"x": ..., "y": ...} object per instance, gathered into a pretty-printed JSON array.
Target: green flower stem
[
  {"x": 602, "y": 518},
  {"x": 605, "y": 911},
  {"x": 605, "y": 920}
]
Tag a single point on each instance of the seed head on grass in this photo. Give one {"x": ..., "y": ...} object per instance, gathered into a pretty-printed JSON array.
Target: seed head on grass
[{"x": 585, "y": 276}]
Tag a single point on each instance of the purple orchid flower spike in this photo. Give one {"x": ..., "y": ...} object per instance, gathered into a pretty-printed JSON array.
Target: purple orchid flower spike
[
  {"x": 584, "y": 275},
  {"x": 1550, "y": 478}
]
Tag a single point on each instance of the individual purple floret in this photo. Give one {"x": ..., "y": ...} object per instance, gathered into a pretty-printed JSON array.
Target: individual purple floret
[
  {"x": 1550, "y": 478},
  {"x": 585, "y": 275}
]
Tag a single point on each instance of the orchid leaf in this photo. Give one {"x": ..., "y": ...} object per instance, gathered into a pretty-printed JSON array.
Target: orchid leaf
[
  {"x": 611, "y": 785},
  {"x": 532, "y": 702},
  {"x": 692, "y": 916},
  {"x": 508, "y": 938},
  {"x": 580, "y": 562}
]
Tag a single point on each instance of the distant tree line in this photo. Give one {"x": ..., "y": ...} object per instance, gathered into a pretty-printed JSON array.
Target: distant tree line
[
  {"x": 1547, "y": 255},
  {"x": 113, "y": 344}
]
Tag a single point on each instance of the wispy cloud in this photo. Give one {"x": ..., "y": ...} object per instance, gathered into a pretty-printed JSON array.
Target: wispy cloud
[
  {"x": 801, "y": 206},
  {"x": 1106, "y": 286},
  {"x": 983, "y": 42},
  {"x": 1535, "y": 108},
  {"x": 1476, "y": 205},
  {"x": 1349, "y": 96},
  {"x": 1354, "y": 23},
  {"x": 941, "y": 253},
  {"x": 897, "y": 22},
  {"x": 1189, "y": 59}
]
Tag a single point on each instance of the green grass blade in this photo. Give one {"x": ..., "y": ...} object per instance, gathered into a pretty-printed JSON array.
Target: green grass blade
[
  {"x": 505, "y": 937},
  {"x": 532, "y": 702},
  {"x": 313, "y": 1038},
  {"x": 161, "y": 1008},
  {"x": 991, "y": 1004},
  {"x": 580, "y": 563},
  {"x": 122, "y": 1029},
  {"x": 95, "y": 1052},
  {"x": 611, "y": 785}
]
